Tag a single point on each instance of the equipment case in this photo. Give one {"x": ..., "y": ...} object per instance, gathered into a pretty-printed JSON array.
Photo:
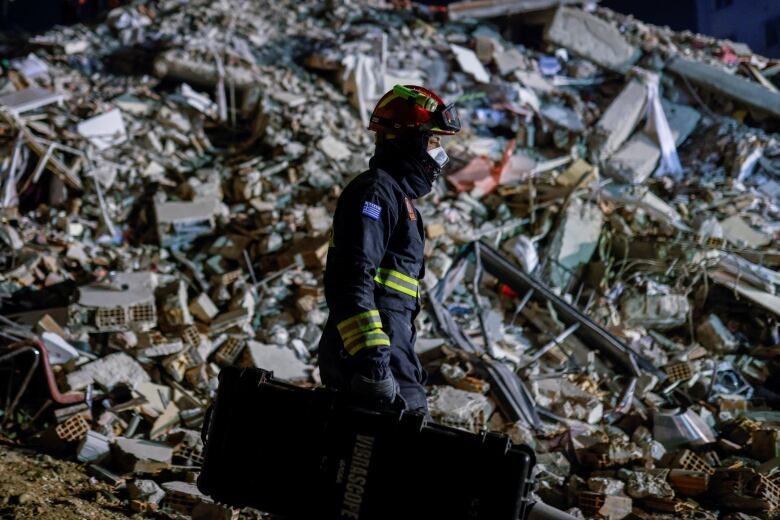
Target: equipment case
[{"x": 309, "y": 454}]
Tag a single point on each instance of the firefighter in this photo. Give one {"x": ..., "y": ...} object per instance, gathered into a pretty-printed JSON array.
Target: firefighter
[{"x": 375, "y": 258}]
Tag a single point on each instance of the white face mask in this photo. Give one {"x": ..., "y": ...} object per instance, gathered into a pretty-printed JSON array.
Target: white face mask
[{"x": 439, "y": 155}]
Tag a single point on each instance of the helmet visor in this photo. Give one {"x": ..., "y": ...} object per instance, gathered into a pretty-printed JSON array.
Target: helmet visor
[{"x": 446, "y": 120}]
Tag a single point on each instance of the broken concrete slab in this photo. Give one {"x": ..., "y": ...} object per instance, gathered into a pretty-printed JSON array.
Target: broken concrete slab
[
  {"x": 146, "y": 490},
  {"x": 721, "y": 82},
  {"x": 534, "y": 81},
  {"x": 141, "y": 456},
  {"x": 282, "y": 361},
  {"x": 121, "y": 289},
  {"x": 122, "y": 302},
  {"x": 94, "y": 447},
  {"x": 592, "y": 38},
  {"x": 637, "y": 159},
  {"x": 469, "y": 63},
  {"x": 769, "y": 301},
  {"x": 741, "y": 234},
  {"x": 108, "y": 372},
  {"x": 333, "y": 148},
  {"x": 655, "y": 311},
  {"x": 29, "y": 99},
  {"x": 714, "y": 335},
  {"x": 203, "y": 308},
  {"x": 574, "y": 242},
  {"x": 508, "y": 61},
  {"x": 618, "y": 120},
  {"x": 179, "y": 222},
  {"x": 185, "y": 498},
  {"x": 105, "y": 130},
  {"x": 459, "y": 408},
  {"x": 492, "y": 8},
  {"x": 59, "y": 350}
]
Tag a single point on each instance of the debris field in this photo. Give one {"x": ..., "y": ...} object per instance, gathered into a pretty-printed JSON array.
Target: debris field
[{"x": 602, "y": 252}]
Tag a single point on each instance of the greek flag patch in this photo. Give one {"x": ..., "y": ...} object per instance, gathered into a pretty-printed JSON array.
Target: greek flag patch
[{"x": 372, "y": 210}]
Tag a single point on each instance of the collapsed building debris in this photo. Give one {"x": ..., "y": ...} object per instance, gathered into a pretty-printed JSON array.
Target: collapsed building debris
[{"x": 602, "y": 264}]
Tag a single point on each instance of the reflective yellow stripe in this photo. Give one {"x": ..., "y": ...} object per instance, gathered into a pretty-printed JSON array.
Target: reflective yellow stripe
[
  {"x": 369, "y": 343},
  {"x": 357, "y": 317},
  {"x": 374, "y": 334},
  {"x": 348, "y": 336},
  {"x": 400, "y": 275},
  {"x": 397, "y": 281},
  {"x": 363, "y": 322},
  {"x": 397, "y": 287}
]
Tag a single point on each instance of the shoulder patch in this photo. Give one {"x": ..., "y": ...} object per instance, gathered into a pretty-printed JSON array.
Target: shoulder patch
[{"x": 371, "y": 210}]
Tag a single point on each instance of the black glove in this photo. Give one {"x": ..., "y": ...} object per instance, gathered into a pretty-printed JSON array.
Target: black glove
[{"x": 378, "y": 394}]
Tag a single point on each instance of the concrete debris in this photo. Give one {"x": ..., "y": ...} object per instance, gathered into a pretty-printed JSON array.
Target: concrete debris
[
  {"x": 104, "y": 130},
  {"x": 657, "y": 311},
  {"x": 168, "y": 180},
  {"x": 94, "y": 447},
  {"x": 641, "y": 484},
  {"x": 606, "y": 486},
  {"x": 108, "y": 372},
  {"x": 711, "y": 78},
  {"x": 637, "y": 159},
  {"x": 592, "y": 38},
  {"x": 575, "y": 241},
  {"x": 29, "y": 99},
  {"x": 283, "y": 362},
  {"x": 619, "y": 120},
  {"x": 470, "y": 64},
  {"x": 713, "y": 334},
  {"x": 741, "y": 234},
  {"x": 140, "y": 456},
  {"x": 146, "y": 490},
  {"x": 459, "y": 408}
]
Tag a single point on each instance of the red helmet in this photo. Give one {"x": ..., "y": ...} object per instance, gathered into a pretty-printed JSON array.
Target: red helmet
[{"x": 410, "y": 107}]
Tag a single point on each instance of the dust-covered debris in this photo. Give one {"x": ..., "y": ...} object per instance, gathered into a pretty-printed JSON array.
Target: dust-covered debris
[{"x": 602, "y": 255}]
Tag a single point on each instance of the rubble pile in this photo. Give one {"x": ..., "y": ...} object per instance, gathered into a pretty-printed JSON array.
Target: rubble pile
[{"x": 601, "y": 278}]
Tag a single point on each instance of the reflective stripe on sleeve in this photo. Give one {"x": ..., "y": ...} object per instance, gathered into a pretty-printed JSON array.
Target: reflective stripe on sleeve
[
  {"x": 397, "y": 281},
  {"x": 360, "y": 323},
  {"x": 375, "y": 338}
]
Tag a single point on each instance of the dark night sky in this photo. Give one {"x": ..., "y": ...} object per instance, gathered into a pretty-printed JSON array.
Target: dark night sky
[{"x": 754, "y": 22}]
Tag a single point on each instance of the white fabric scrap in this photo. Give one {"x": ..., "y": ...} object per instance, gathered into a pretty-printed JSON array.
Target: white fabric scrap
[{"x": 658, "y": 125}]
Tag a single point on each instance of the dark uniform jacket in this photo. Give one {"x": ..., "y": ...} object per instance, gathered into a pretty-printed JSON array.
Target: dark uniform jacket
[{"x": 374, "y": 265}]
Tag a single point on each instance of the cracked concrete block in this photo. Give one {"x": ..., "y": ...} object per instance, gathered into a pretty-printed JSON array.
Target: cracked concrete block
[
  {"x": 281, "y": 360},
  {"x": 733, "y": 86},
  {"x": 637, "y": 159},
  {"x": 714, "y": 335},
  {"x": 606, "y": 486},
  {"x": 618, "y": 120},
  {"x": 575, "y": 241},
  {"x": 140, "y": 456},
  {"x": 108, "y": 372},
  {"x": 459, "y": 408},
  {"x": 655, "y": 311},
  {"x": 592, "y": 38}
]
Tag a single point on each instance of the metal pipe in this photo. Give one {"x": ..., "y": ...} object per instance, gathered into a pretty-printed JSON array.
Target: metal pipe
[{"x": 591, "y": 332}]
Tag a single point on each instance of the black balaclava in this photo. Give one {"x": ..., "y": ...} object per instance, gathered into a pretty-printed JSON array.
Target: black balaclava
[{"x": 408, "y": 155}]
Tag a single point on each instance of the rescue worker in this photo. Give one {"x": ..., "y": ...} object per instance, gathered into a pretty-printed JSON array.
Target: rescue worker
[{"x": 375, "y": 258}]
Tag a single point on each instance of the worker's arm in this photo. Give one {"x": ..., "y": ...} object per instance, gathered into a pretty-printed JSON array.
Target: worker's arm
[{"x": 362, "y": 227}]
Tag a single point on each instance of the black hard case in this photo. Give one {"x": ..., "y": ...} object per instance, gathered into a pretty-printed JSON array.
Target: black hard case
[{"x": 304, "y": 454}]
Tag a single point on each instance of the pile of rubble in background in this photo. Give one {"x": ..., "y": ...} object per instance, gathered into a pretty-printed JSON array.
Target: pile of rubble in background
[{"x": 601, "y": 256}]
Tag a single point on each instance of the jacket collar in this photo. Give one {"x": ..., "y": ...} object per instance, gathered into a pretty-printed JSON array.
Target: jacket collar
[{"x": 404, "y": 169}]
